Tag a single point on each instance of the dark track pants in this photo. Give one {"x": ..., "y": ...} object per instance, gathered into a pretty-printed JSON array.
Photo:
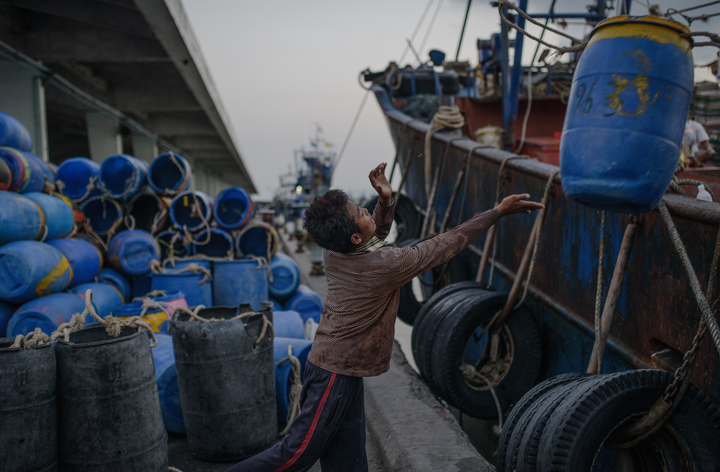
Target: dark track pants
[{"x": 330, "y": 427}]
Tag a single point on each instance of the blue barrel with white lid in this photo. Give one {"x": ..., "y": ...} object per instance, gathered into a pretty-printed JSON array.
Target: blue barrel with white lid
[
  {"x": 116, "y": 279},
  {"x": 104, "y": 214},
  {"x": 46, "y": 313},
  {"x": 84, "y": 258},
  {"x": 20, "y": 218},
  {"x": 285, "y": 276},
  {"x": 14, "y": 134},
  {"x": 191, "y": 210},
  {"x": 123, "y": 176},
  {"x": 77, "y": 178},
  {"x": 168, "y": 390},
  {"x": 131, "y": 252},
  {"x": 31, "y": 269},
  {"x": 240, "y": 281},
  {"x": 59, "y": 218},
  {"x": 233, "y": 208},
  {"x": 626, "y": 114},
  {"x": 219, "y": 243},
  {"x": 306, "y": 302},
  {"x": 169, "y": 174}
]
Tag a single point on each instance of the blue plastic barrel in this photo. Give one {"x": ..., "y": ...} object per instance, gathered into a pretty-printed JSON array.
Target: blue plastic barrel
[
  {"x": 31, "y": 269},
  {"x": 240, "y": 281},
  {"x": 123, "y": 176},
  {"x": 116, "y": 279},
  {"x": 306, "y": 302},
  {"x": 626, "y": 114},
  {"x": 131, "y": 251},
  {"x": 285, "y": 276},
  {"x": 106, "y": 299},
  {"x": 14, "y": 134},
  {"x": 167, "y": 384},
  {"x": 169, "y": 174},
  {"x": 283, "y": 379},
  {"x": 46, "y": 170},
  {"x": 191, "y": 210},
  {"x": 277, "y": 306},
  {"x": 104, "y": 214},
  {"x": 27, "y": 170},
  {"x": 288, "y": 324},
  {"x": 46, "y": 313},
  {"x": 77, "y": 178},
  {"x": 219, "y": 244},
  {"x": 171, "y": 241},
  {"x": 197, "y": 288},
  {"x": 58, "y": 215},
  {"x": 233, "y": 208},
  {"x": 257, "y": 239},
  {"x": 6, "y": 312},
  {"x": 148, "y": 211},
  {"x": 157, "y": 318},
  {"x": 84, "y": 258},
  {"x": 141, "y": 285},
  {"x": 20, "y": 218},
  {"x": 177, "y": 265}
]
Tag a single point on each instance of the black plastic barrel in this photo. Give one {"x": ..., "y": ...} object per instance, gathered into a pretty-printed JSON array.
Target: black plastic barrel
[
  {"x": 108, "y": 407},
  {"x": 226, "y": 382},
  {"x": 28, "y": 418}
]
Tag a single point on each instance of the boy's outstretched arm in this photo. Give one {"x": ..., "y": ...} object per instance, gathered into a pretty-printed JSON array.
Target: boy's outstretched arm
[{"x": 384, "y": 210}]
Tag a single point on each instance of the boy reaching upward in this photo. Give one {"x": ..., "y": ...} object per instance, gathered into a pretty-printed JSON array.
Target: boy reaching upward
[{"x": 355, "y": 336}]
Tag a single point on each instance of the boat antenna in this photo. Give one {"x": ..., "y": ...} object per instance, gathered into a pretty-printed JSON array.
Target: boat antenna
[
  {"x": 347, "y": 138},
  {"x": 417, "y": 28},
  {"x": 462, "y": 31}
]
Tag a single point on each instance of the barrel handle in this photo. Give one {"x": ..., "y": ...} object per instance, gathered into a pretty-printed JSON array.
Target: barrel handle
[
  {"x": 31, "y": 340},
  {"x": 114, "y": 325}
]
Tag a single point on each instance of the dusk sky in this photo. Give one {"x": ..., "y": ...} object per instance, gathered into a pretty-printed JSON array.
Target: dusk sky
[{"x": 282, "y": 67}]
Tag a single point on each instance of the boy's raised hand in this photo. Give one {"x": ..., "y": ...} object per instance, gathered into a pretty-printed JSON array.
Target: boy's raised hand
[
  {"x": 518, "y": 204},
  {"x": 380, "y": 184}
]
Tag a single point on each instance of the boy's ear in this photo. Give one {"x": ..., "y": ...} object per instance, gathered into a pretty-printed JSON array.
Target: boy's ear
[{"x": 356, "y": 238}]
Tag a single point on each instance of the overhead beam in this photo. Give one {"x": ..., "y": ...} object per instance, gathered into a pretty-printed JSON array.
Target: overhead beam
[
  {"x": 200, "y": 144},
  {"x": 170, "y": 125}
]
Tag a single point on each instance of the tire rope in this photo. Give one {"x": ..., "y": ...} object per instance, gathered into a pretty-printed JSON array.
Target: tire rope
[
  {"x": 597, "y": 327},
  {"x": 439, "y": 172}
]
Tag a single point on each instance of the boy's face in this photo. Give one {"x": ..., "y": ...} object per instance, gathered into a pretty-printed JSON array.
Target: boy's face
[{"x": 365, "y": 222}]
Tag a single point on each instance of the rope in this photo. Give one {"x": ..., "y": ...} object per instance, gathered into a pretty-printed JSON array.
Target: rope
[
  {"x": 471, "y": 372},
  {"x": 267, "y": 325},
  {"x": 579, "y": 45},
  {"x": 88, "y": 188},
  {"x": 263, "y": 262},
  {"x": 527, "y": 111},
  {"x": 157, "y": 220},
  {"x": 180, "y": 167},
  {"x": 196, "y": 269},
  {"x": 598, "y": 290},
  {"x": 417, "y": 28},
  {"x": 460, "y": 179},
  {"x": 129, "y": 221},
  {"x": 439, "y": 171},
  {"x": 445, "y": 117},
  {"x": 430, "y": 27},
  {"x": 152, "y": 294},
  {"x": 45, "y": 233},
  {"x": 76, "y": 322},
  {"x": 156, "y": 268},
  {"x": 31, "y": 340},
  {"x": 295, "y": 390},
  {"x": 148, "y": 303}
]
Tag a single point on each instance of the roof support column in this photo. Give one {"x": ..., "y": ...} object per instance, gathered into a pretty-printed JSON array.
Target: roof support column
[
  {"x": 103, "y": 136},
  {"x": 22, "y": 95},
  {"x": 144, "y": 147}
]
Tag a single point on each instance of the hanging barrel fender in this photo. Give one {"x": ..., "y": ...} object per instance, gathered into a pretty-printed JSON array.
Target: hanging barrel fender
[
  {"x": 167, "y": 384},
  {"x": 123, "y": 176},
  {"x": 58, "y": 215},
  {"x": 31, "y": 269},
  {"x": 77, "y": 178},
  {"x": 105, "y": 215},
  {"x": 147, "y": 211},
  {"x": 107, "y": 394},
  {"x": 131, "y": 251},
  {"x": 513, "y": 419},
  {"x": 14, "y": 134},
  {"x": 169, "y": 174},
  {"x": 620, "y": 140},
  {"x": 84, "y": 258},
  {"x": 28, "y": 439},
  {"x": 578, "y": 432},
  {"x": 191, "y": 210},
  {"x": 414, "y": 293},
  {"x": 236, "y": 417},
  {"x": 20, "y": 218},
  {"x": 233, "y": 208},
  {"x": 457, "y": 355},
  {"x": 27, "y": 170},
  {"x": 46, "y": 313},
  {"x": 407, "y": 219}
]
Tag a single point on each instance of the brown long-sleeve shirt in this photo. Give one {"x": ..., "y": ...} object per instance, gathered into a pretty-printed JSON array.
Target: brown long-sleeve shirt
[{"x": 357, "y": 327}]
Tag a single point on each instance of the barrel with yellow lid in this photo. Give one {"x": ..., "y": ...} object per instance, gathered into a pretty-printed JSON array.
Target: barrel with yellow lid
[{"x": 626, "y": 114}]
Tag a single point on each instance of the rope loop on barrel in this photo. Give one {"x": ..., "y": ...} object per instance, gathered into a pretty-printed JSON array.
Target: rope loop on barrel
[
  {"x": 114, "y": 325},
  {"x": 267, "y": 326},
  {"x": 263, "y": 263},
  {"x": 130, "y": 221},
  {"x": 295, "y": 390},
  {"x": 45, "y": 233},
  {"x": 197, "y": 269},
  {"x": 76, "y": 322},
  {"x": 157, "y": 220},
  {"x": 31, "y": 340},
  {"x": 714, "y": 38},
  {"x": 87, "y": 229},
  {"x": 149, "y": 303},
  {"x": 156, "y": 267}
]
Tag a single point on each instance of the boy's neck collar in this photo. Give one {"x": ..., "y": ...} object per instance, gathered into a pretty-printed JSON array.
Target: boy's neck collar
[{"x": 369, "y": 246}]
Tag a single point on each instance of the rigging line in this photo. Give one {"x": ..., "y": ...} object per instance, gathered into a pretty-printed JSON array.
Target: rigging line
[
  {"x": 698, "y": 6},
  {"x": 462, "y": 31},
  {"x": 347, "y": 138},
  {"x": 417, "y": 28},
  {"x": 432, "y": 23}
]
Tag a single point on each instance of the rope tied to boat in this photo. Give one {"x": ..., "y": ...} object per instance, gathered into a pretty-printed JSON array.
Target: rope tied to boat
[
  {"x": 194, "y": 314},
  {"x": 295, "y": 390},
  {"x": 31, "y": 340},
  {"x": 429, "y": 223},
  {"x": 445, "y": 117},
  {"x": 470, "y": 373}
]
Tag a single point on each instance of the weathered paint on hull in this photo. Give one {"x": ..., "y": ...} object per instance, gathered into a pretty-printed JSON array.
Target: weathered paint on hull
[{"x": 656, "y": 310}]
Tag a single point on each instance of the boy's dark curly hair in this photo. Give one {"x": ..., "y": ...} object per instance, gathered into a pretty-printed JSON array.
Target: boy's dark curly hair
[{"x": 329, "y": 223}]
